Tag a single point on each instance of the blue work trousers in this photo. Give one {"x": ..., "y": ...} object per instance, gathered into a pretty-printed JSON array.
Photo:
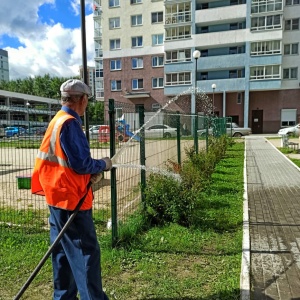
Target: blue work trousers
[{"x": 76, "y": 259}]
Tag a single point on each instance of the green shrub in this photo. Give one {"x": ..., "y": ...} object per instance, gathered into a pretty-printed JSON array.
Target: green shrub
[{"x": 170, "y": 200}]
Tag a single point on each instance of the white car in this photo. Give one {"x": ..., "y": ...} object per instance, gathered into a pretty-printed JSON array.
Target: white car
[
  {"x": 160, "y": 131},
  {"x": 232, "y": 129},
  {"x": 294, "y": 130}
]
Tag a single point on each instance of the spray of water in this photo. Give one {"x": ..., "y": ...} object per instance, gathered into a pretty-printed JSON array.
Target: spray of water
[{"x": 123, "y": 148}]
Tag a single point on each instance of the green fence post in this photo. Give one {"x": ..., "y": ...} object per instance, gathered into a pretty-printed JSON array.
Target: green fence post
[
  {"x": 196, "y": 135},
  {"x": 142, "y": 152},
  {"x": 113, "y": 176},
  {"x": 178, "y": 138},
  {"x": 207, "y": 132}
]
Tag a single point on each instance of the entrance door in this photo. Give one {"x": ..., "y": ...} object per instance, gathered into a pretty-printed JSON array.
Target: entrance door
[{"x": 257, "y": 121}]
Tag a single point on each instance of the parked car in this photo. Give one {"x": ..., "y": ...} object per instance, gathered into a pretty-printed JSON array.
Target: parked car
[
  {"x": 294, "y": 130},
  {"x": 2, "y": 132},
  {"x": 94, "y": 129},
  {"x": 35, "y": 131},
  {"x": 232, "y": 129},
  {"x": 14, "y": 131},
  {"x": 160, "y": 131}
]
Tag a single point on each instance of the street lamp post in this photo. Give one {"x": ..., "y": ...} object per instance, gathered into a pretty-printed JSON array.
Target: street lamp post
[
  {"x": 213, "y": 86},
  {"x": 196, "y": 55},
  {"x": 27, "y": 105}
]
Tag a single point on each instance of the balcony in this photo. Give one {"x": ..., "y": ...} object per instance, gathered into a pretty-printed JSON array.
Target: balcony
[{"x": 178, "y": 18}]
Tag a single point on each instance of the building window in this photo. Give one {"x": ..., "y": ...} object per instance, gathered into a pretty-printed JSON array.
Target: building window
[
  {"x": 137, "y": 41},
  {"x": 235, "y": 73},
  {"x": 290, "y": 73},
  {"x": 180, "y": 32},
  {"x": 236, "y": 26},
  {"x": 291, "y": 49},
  {"x": 235, "y": 50},
  {"x": 288, "y": 117},
  {"x": 265, "y": 48},
  {"x": 114, "y": 3},
  {"x": 157, "y": 82},
  {"x": 239, "y": 98},
  {"x": 115, "y": 44},
  {"x": 264, "y": 6},
  {"x": 292, "y": 2},
  {"x": 266, "y": 22},
  {"x": 178, "y": 55},
  {"x": 204, "y": 76},
  {"x": 115, "y": 85},
  {"x": 265, "y": 72},
  {"x": 135, "y": 1},
  {"x": 157, "y": 61},
  {"x": 136, "y": 20},
  {"x": 292, "y": 24},
  {"x": 115, "y": 64},
  {"x": 114, "y": 23},
  {"x": 137, "y": 84},
  {"x": 181, "y": 78},
  {"x": 157, "y": 39},
  {"x": 137, "y": 63},
  {"x": 157, "y": 17}
]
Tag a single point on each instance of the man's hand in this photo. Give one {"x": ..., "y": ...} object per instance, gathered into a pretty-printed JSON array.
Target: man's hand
[
  {"x": 108, "y": 163},
  {"x": 96, "y": 178}
]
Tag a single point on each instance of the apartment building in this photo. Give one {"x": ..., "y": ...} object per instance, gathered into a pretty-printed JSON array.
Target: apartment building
[
  {"x": 249, "y": 63},
  {"x": 4, "y": 69},
  {"x": 90, "y": 79}
]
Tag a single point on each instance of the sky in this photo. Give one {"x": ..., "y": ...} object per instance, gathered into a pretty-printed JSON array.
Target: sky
[{"x": 44, "y": 37}]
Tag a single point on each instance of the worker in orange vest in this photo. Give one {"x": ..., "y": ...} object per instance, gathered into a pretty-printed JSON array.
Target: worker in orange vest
[{"x": 62, "y": 171}]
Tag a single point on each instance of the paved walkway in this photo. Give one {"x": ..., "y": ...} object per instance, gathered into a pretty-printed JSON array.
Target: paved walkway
[{"x": 273, "y": 184}]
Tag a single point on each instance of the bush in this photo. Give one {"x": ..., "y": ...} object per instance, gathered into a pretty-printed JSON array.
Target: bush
[{"x": 170, "y": 200}]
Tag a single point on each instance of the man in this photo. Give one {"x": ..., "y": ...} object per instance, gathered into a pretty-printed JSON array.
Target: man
[{"x": 62, "y": 171}]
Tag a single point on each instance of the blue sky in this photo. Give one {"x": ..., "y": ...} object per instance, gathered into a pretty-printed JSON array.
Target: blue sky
[{"x": 44, "y": 36}]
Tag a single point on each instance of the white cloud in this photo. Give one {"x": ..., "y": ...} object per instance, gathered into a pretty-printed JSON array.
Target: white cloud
[{"x": 46, "y": 48}]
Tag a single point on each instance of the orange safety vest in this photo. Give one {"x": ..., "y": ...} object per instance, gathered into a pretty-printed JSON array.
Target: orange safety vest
[{"x": 52, "y": 177}]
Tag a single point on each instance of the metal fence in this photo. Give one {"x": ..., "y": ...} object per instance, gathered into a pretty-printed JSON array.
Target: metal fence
[{"x": 139, "y": 142}]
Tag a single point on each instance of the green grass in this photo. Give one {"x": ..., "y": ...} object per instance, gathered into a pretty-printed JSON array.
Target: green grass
[{"x": 162, "y": 263}]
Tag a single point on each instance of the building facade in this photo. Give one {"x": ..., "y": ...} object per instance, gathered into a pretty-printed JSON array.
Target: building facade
[
  {"x": 249, "y": 63},
  {"x": 4, "y": 67}
]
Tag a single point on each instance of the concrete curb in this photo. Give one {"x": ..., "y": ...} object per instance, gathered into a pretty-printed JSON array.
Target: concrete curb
[{"x": 245, "y": 265}]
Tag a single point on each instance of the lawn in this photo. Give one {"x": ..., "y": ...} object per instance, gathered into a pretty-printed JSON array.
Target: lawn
[{"x": 162, "y": 263}]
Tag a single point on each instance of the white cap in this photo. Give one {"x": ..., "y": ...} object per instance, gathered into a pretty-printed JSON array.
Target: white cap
[{"x": 74, "y": 87}]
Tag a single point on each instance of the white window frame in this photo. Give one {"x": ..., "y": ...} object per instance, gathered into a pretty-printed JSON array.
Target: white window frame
[
  {"x": 265, "y": 72},
  {"x": 269, "y": 22},
  {"x": 157, "y": 82},
  {"x": 158, "y": 17},
  {"x": 135, "y": 1},
  {"x": 114, "y": 23},
  {"x": 288, "y": 49},
  {"x": 138, "y": 61},
  {"x": 292, "y": 2},
  {"x": 114, "y": 3},
  {"x": 114, "y": 64},
  {"x": 181, "y": 78},
  {"x": 137, "y": 83},
  {"x": 179, "y": 32},
  {"x": 266, "y": 6},
  {"x": 265, "y": 48},
  {"x": 157, "y": 39},
  {"x": 289, "y": 72},
  {"x": 135, "y": 41},
  {"x": 292, "y": 24},
  {"x": 288, "y": 117},
  {"x": 117, "y": 44},
  {"x": 136, "y": 20},
  {"x": 179, "y": 55},
  {"x": 157, "y": 61},
  {"x": 115, "y": 85}
]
